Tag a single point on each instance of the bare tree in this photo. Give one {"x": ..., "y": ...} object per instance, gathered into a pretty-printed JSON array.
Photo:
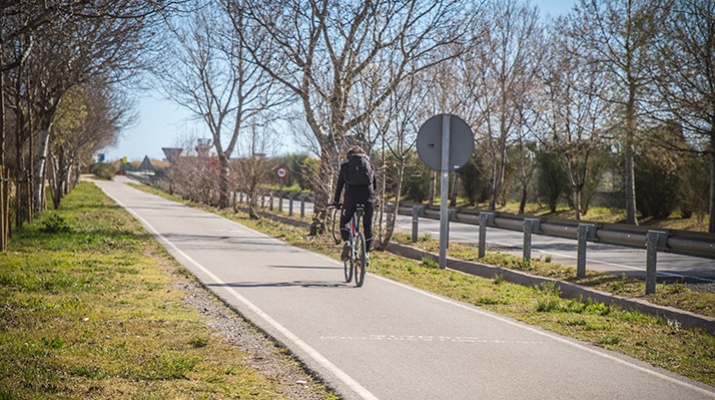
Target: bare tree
[
  {"x": 620, "y": 35},
  {"x": 74, "y": 31},
  {"x": 88, "y": 120},
  {"x": 108, "y": 41},
  {"x": 502, "y": 69},
  {"x": 321, "y": 47},
  {"x": 686, "y": 81},
  {"x": 396, "y": 121},
  {"x": 210, "y": 75},
  {"x": 571, "y": 110}
]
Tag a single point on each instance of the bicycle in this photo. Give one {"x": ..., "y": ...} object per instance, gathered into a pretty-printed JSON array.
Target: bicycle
[{"x": 357, "y": 260}]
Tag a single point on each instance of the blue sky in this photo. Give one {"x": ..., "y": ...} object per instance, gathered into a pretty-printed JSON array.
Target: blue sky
[{"x": 161, "y": 123}]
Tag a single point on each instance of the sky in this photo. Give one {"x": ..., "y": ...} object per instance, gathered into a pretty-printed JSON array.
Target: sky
[{"x": 162, "y": 123}]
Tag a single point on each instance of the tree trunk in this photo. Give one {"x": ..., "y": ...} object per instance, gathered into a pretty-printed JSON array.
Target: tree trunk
[
  {"x": 631, "y": 216},
  {"x": 498, "y": 179},
  {"x": 577, "y": 202},
  {"x": 432, "y": 187},
  {"x": 323, "y": 188},
  {"x": 392, "y": 212},
  {"x": 711, "y": 209},
  {"x": 224, "y": 195},
  {"x": 4, "y": 194},
  {"x": 41, "y": 169},
  {"x": 58, "y": 179},
  {"x": 522, "y": 204}
]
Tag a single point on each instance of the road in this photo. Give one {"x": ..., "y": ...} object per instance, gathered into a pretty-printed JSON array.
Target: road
[
  {"x": 387, "y": 340},
  {"x": 600, "y": 257}
]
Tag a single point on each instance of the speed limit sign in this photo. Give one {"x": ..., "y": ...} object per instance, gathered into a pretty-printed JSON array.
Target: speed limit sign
[{"x": 282, "y": 172}]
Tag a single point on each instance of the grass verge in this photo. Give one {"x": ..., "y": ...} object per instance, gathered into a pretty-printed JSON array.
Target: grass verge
[{"x": 92, "y": 307}]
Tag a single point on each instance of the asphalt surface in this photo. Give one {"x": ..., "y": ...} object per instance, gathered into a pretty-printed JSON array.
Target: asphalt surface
[{"x": 387, "y": 340}]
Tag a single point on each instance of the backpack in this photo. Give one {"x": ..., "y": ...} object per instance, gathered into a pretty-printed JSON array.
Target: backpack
[{"x": 360, "y": 170}]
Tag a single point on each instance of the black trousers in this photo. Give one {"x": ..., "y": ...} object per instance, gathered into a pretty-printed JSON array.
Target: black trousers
[{"x": 348, "y": 212}]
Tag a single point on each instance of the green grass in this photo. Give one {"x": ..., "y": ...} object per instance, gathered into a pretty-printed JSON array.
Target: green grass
[
  {"x": 92, "y": 307},
  {"x": 662, "y": 343}
]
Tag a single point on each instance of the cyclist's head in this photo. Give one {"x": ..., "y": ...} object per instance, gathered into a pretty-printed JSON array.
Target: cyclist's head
[{"x": 355, "y": 150}]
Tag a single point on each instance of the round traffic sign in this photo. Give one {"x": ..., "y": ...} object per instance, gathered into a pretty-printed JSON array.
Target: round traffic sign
[
  {"x": 429, "y": 142},
  {"x": 282, "y": 172}
]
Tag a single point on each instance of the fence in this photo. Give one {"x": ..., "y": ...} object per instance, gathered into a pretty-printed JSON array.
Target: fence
[{"x": 678, "y": 242}]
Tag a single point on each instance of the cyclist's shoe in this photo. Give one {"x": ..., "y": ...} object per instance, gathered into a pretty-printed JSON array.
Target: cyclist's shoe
[
  {"x": 346, "y": 251},
  {"x": 367, "y": 259}
]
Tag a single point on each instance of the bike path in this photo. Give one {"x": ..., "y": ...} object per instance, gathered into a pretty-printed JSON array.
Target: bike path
[{"x": 387, "y": 340}]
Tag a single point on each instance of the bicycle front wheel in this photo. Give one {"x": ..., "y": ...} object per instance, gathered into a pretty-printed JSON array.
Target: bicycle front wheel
[{"x": 360, "y": 259}]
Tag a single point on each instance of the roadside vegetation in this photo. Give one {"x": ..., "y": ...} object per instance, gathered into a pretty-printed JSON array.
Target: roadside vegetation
[
  {"x": 662, "y": 343},
  {"x": 92, "y": 307},
  {"x": 676, "y": 295}
]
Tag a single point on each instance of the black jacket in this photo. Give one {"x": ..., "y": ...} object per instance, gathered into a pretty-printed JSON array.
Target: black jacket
[{"x": 354, "y": 194}]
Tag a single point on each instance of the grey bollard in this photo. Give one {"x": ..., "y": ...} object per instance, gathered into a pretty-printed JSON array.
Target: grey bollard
[
  {"x": 302, "y": 206},
  {"x": 531, "y": 225},
  {"x": 654, "y": 240},
  {"x": 291, "y": 197},
  {"x": 415, "y": 222},
  {"x": 270, "y": 206},
  {"x": 484, "y": 219},
  {"x": 280, "y": 201},
  {"x": 584, "y": 232}
]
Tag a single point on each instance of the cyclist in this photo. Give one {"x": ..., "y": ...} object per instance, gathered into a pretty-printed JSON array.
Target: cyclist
[{"x": 357, "y": 174}]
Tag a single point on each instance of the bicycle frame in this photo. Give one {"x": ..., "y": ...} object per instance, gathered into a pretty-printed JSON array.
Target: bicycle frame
[{"x": 356, "y": 262}]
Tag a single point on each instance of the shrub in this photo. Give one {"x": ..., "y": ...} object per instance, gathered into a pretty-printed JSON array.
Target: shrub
[{"x": 102, "y": 171}]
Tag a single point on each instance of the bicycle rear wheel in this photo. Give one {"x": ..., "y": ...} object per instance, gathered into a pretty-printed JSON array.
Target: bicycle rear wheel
[
  {"x": 335, "y": 225},
  {"x": 348, "y": 267},
  {"x": 360, "y": 259}
]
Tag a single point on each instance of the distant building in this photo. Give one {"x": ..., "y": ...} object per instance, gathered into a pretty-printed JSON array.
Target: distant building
[{"x": 203, "y": 147}]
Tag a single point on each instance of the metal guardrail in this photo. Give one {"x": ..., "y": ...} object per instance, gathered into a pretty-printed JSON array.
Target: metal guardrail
[
  {"x": 677, "y": 242},
  {"x": 670, "y": 241}
]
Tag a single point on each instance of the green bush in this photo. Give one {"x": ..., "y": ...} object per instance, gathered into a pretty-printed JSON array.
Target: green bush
[
  {"x": 102, "y": 171},
  {"x": 551, "y": 183},
  {"x": 657, "y": 180},
  {"x": 55, "y": 224}
]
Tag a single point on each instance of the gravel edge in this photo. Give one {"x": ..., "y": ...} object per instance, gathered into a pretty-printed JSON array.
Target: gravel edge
[{"x": 291, "y": 377}]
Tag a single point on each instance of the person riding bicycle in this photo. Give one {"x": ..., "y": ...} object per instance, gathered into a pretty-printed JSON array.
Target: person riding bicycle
[{"x": 357, "y": 175}]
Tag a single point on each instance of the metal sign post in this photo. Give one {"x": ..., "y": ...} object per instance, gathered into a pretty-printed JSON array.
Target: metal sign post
[
  {"x": 282, "y": 173},
  {"x": 444, "y": 143},
  {"x": 444, "y": 194}
]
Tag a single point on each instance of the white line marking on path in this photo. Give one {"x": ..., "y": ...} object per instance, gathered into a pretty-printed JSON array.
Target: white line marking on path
[
  {"x": 430, "y": 339},
  {"x": 314, "y": 354}
]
